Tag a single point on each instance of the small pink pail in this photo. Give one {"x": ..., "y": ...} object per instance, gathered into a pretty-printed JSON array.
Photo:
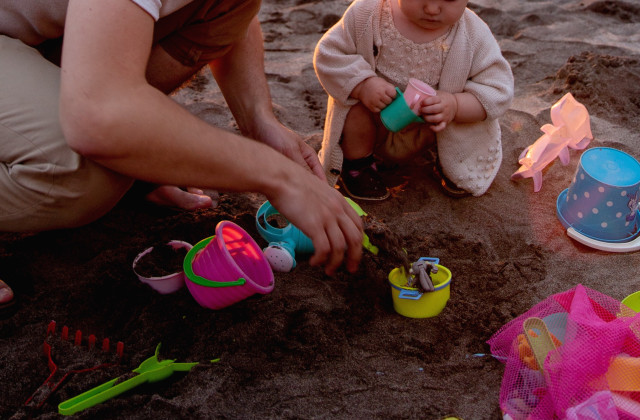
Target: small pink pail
[{"x": 226, "y": 268}]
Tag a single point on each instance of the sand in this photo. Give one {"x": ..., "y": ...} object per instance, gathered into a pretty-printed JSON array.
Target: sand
[{"x": 322, "y": 347}]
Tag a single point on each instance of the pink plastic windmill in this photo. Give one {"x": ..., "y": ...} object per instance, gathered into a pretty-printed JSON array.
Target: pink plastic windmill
[{"x": 570, "y": 129}]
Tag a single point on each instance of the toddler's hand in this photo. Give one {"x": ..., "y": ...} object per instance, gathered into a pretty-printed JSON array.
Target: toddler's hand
[
  {"x": 375, "y": 93},
  {"x": 439, "y": 110}
]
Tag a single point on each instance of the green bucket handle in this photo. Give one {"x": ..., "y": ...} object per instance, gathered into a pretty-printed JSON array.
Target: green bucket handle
[{"x": 188, "y": 270}]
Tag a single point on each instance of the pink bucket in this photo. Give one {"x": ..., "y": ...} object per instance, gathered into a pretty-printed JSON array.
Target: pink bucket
[
  {"x": 163, "y": 284},
  {"x": 226, "y": 268}
]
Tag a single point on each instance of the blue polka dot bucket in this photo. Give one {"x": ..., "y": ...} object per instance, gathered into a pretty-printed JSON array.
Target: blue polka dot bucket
[{"x": 602, "y": 200}]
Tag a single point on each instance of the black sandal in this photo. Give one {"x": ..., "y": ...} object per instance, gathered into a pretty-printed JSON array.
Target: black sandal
[
  {"x": 361, "y": 181},
  {"x": 446, "y": 185}
]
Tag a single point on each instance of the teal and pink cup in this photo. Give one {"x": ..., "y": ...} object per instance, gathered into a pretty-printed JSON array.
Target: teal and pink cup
[
  {"x": 226, "y": 268},
  {"x": 404, "y": 108},
  {"x": 416, "y": 91}
]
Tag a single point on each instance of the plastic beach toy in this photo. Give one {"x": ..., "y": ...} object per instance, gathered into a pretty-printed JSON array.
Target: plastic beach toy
[
  {"x": 595, "y": 351},
  {"x": 630, "y": 305},
  {"x": 63, "y": 366},
  {"x": 600, "y": 207},
  {"x": 150, "y": 370},
  {"x": 624, "y": 374},
  {"x": 397, "y": 115},
  {"x": 540, "y": 339},
  {"x": 227, "y": 268},
  {"x": 629, "y": 308},
  {"x": 633, "y": 245},
  {"x": 285, "y": 241},
  {"x": 411, "y": 302},
  {"x": 571, "y": 128},
  {"x": 632, "y": 301},
  {"x": 416, "y": 91},
  {"x": 163, "y": 284}
]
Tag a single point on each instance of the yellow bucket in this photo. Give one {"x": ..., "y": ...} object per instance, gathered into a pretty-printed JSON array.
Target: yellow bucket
[{"x": 410, "y": 302}]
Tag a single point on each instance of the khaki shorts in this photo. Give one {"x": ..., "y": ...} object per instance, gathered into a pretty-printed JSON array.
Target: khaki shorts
[
  {"x": 406, "y": 144},
  {"x": 44, "y": 184},
  {"x": 205, "y": 29}
]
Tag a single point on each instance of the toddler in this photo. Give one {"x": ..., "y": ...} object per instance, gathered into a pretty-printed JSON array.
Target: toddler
[{"x": 380, "y": 44}]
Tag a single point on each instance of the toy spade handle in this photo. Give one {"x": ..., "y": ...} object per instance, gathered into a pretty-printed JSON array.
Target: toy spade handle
[
  {"x": 150, "y": 370},
  {"x": 151, "y": 373},
  {"x": 539, "y": 339},
  {"x": 99, "y": 394},
  {"x": 630, "y": 246}
]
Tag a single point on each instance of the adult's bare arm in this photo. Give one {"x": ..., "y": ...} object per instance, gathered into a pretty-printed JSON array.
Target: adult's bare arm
[
  {"x": 110, "y": 114},
  {"x": 241, "y": 77}
]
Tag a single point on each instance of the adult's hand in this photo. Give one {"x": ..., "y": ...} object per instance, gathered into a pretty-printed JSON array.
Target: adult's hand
[
  {"x": 290, "y": 144},
  {"x": 323, "y": 214},
  {"x": 241, "y": 78}
]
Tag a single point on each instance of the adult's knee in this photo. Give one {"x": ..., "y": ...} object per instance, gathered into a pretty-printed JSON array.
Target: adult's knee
[
  {"x": 87, "y": 192},
  {"x": 48, "y": 197}
]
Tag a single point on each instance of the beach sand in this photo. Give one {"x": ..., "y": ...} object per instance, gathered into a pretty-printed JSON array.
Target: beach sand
[{"x": 320, "y": 347}]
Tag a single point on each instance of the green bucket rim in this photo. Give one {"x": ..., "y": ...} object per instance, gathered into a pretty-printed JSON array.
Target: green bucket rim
[{"x": 201, "y": 281}]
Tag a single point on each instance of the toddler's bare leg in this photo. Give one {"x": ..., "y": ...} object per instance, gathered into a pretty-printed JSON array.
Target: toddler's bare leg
[
  {"x": 359, "y": 177},
  {"x": 359, "y": 133}
]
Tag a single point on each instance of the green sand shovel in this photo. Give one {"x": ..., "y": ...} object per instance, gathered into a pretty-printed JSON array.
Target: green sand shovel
[
  {"x": 365, "y": 239},
  {"x": 150, "y": 370}
]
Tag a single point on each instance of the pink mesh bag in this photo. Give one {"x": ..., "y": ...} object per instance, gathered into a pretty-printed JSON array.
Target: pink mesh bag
[{"x": 575, "y": 355}]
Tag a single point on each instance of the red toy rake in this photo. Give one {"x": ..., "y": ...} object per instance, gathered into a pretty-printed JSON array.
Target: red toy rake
[{"x": 68, "y": 351}]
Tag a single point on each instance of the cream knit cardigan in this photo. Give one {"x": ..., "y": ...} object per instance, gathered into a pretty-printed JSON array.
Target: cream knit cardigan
[{"x": 470, "y": 154}]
